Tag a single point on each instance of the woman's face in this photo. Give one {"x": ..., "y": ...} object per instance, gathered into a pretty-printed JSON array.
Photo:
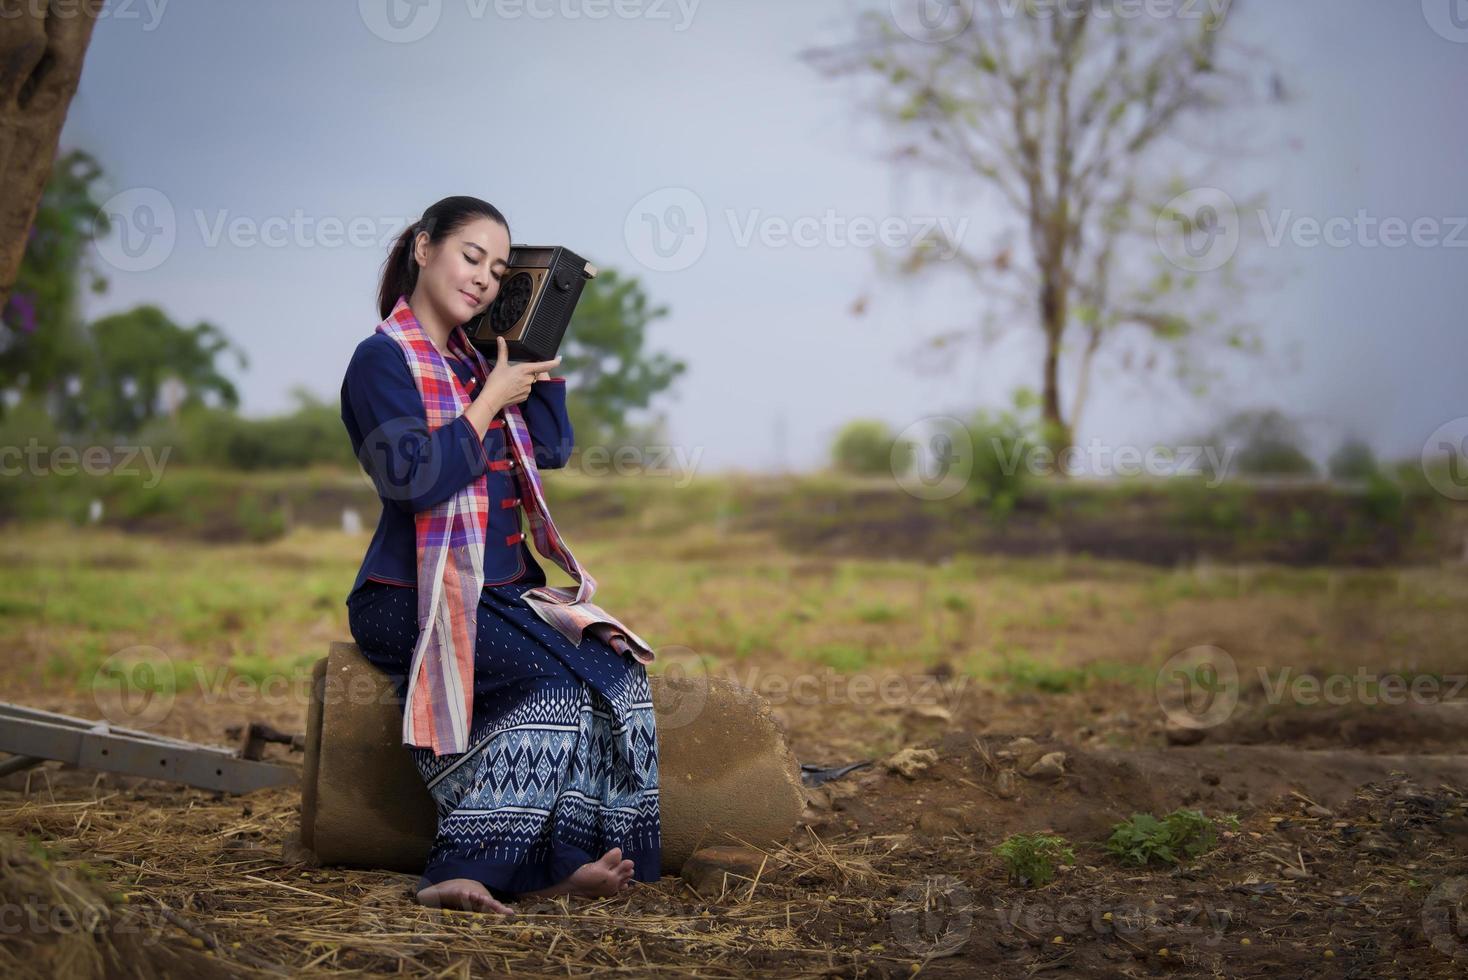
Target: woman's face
[{"x": 460, "y": 276}]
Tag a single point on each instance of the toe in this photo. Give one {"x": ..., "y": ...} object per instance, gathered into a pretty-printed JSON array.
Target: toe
[{"x": 612, "y": 857}]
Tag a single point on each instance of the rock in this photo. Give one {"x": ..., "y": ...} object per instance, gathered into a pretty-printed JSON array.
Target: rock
[
  {"x": 1006, "y": 785},
  {"x": 817, "y": 797},
  {"x": 1316, "y": 810},
  {"x": 939, "y": 823},
  {"x": 910, "y": 761},
  {"x": 1026, "y": 752},
  {"x": 1295, "y": 874},
  {"x": 1183, "y": 735},
  {"x": 713, "y": 870},
  {"x": 932, "y": 711},
  {"x": 1051, "y": 765}
]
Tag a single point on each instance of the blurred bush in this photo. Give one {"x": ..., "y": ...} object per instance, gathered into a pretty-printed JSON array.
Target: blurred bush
[
  {"x": 1002, "y": 443},
  {"x": 1262, "y": 442},
  {"x": 312, "y": 434},
  {"x": 1352, "y": 460},
  {"x": 868, "y": 447}
]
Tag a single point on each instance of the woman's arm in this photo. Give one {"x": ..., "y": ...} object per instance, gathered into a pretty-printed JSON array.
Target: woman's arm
[
  {"x": 550, "y": 427},
  {"x": 410, "y": 466}
]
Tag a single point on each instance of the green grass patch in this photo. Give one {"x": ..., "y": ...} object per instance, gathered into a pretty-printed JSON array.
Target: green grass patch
[
  {"x": 1181, "y": 835},
  {"x": 1033, "y": 859}
]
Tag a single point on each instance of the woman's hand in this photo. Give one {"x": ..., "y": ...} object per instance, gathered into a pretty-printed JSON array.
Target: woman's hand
[{"x": 507, "y": 384}]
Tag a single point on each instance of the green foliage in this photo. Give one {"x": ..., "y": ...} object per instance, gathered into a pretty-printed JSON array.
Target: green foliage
[
  {"x": 1181, "y": 835},
  {"x": 1002, "y": 443},
  {"x": 1385, "y": 499},
  {"x": 1032, "y": 859},
  {"x": 608, "y": 371},
  {"x": 878, "y": 613},
  {"x": 41, "y": 327},
  {"x": 130, "y": 357},
  {"x": 27, "y": 420},
  {"x": 1020, "y": 672},
  {"x": 310, "y": 434},
  {"x": 1265, "y": 443},
  {"x": 867, "y": 447},
  {"x": 1352, "y": 460}
]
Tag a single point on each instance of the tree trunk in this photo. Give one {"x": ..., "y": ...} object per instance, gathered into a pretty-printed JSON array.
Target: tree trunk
[
  {"x": 41, "y": 52},
  {"x": 1052, "y": 318}
]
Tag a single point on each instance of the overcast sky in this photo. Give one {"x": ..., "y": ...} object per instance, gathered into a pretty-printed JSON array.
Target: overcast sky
[{"x": 280, "y": 118}]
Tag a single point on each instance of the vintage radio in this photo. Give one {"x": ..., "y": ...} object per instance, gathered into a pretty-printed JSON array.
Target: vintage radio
[{"x": 537, "y": 296}]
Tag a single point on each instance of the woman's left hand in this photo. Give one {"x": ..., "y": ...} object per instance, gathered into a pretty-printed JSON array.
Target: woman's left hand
[{"x": 543, "y": 376}]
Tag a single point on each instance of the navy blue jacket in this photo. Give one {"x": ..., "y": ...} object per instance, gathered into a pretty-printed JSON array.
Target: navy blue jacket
[{"x": 414, "y": 469}]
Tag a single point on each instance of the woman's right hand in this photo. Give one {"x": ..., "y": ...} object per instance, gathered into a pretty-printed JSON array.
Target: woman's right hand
[{"x": 509, "y": 384}]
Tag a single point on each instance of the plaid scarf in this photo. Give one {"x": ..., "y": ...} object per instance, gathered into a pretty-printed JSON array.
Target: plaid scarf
[{"x": 450, "y": 548}]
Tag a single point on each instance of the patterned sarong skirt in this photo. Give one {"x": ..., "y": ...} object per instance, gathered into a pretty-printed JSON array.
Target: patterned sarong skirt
[{"x": 562, "y": 762}]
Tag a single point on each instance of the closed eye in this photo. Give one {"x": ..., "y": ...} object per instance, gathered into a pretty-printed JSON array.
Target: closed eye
[{"x": 498, "y": 276}]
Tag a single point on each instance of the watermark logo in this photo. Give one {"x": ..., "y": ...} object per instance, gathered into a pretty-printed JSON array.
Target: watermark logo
[
  {"x": 400, "y": 21},
  {"x": 944, "y": 467},
  {"x": 38, "y": 916},
  {"x": 122, "y": 10},
  {"x": 859, "y": 690},
  {"x": 934, "y": 458},
  {"x": 142, "y": 230},
  {"x": 1146, "y": 921},
  {"x": 135, "y": 687},
  {"x": 34, "y": 459},
  {"x": 933, "y": 917},
  {"x": 661, "y": 461},
  {"x": 683, "y": 687},
  {"x": 399, "y": 460},
  {"x": 1363, "y": 687},
  {"x": 1199, "y": 230},
  {"x": 1448, "y": 19},
  {"x": 1445, "y": 459},
  {"x": 667, "y": 230},
  {"x": 932, "y": 21},
  {"x": 1198, "y": 687},
  {"x": 1445, "y": 918}
]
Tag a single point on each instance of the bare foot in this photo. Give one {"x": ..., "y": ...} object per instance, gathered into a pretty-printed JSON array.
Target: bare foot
[
  {"x": 465, "y": 894},
  {"x": 602, "y": 878}
]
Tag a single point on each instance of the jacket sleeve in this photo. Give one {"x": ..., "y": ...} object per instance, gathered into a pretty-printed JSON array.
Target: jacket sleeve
[
  {"x": 413, "y": 468},
  {"x": 549, "y": 425}
]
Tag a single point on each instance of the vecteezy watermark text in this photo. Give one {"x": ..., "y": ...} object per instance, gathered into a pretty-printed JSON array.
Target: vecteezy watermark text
[
  {"x": 1201, "y": 229},
  {"x": 406, "y": 21},
  {"x": 947, "y": 448},
  {"x": 669, "y": 229},
  {"x": 34, "y": 459},
  {"x": 1199, "y": 687},
  {"x": 121, "y": 10}
]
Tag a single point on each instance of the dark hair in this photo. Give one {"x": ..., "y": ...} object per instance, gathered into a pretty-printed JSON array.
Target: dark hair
[{"x": 400, "y": 272}]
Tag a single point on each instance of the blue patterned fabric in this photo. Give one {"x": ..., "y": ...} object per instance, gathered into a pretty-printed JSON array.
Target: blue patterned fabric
[{"x": 562, "y": 759}]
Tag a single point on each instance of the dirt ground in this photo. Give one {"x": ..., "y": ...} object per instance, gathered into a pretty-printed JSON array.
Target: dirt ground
[{"x": 1350, "y": 859}]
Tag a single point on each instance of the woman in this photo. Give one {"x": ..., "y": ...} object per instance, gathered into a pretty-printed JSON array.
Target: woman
[{"x": 539, "y": 751}]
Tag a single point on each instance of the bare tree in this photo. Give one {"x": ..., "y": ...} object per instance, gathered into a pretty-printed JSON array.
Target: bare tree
[
  {"x": 42, "y": 45},
  {"x": 1062, "y": 108}
]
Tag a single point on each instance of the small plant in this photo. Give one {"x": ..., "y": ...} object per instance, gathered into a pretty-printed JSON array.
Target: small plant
[
  {"x": 1032, "y": 858},
  {"x": 1182, "y": 834}
]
